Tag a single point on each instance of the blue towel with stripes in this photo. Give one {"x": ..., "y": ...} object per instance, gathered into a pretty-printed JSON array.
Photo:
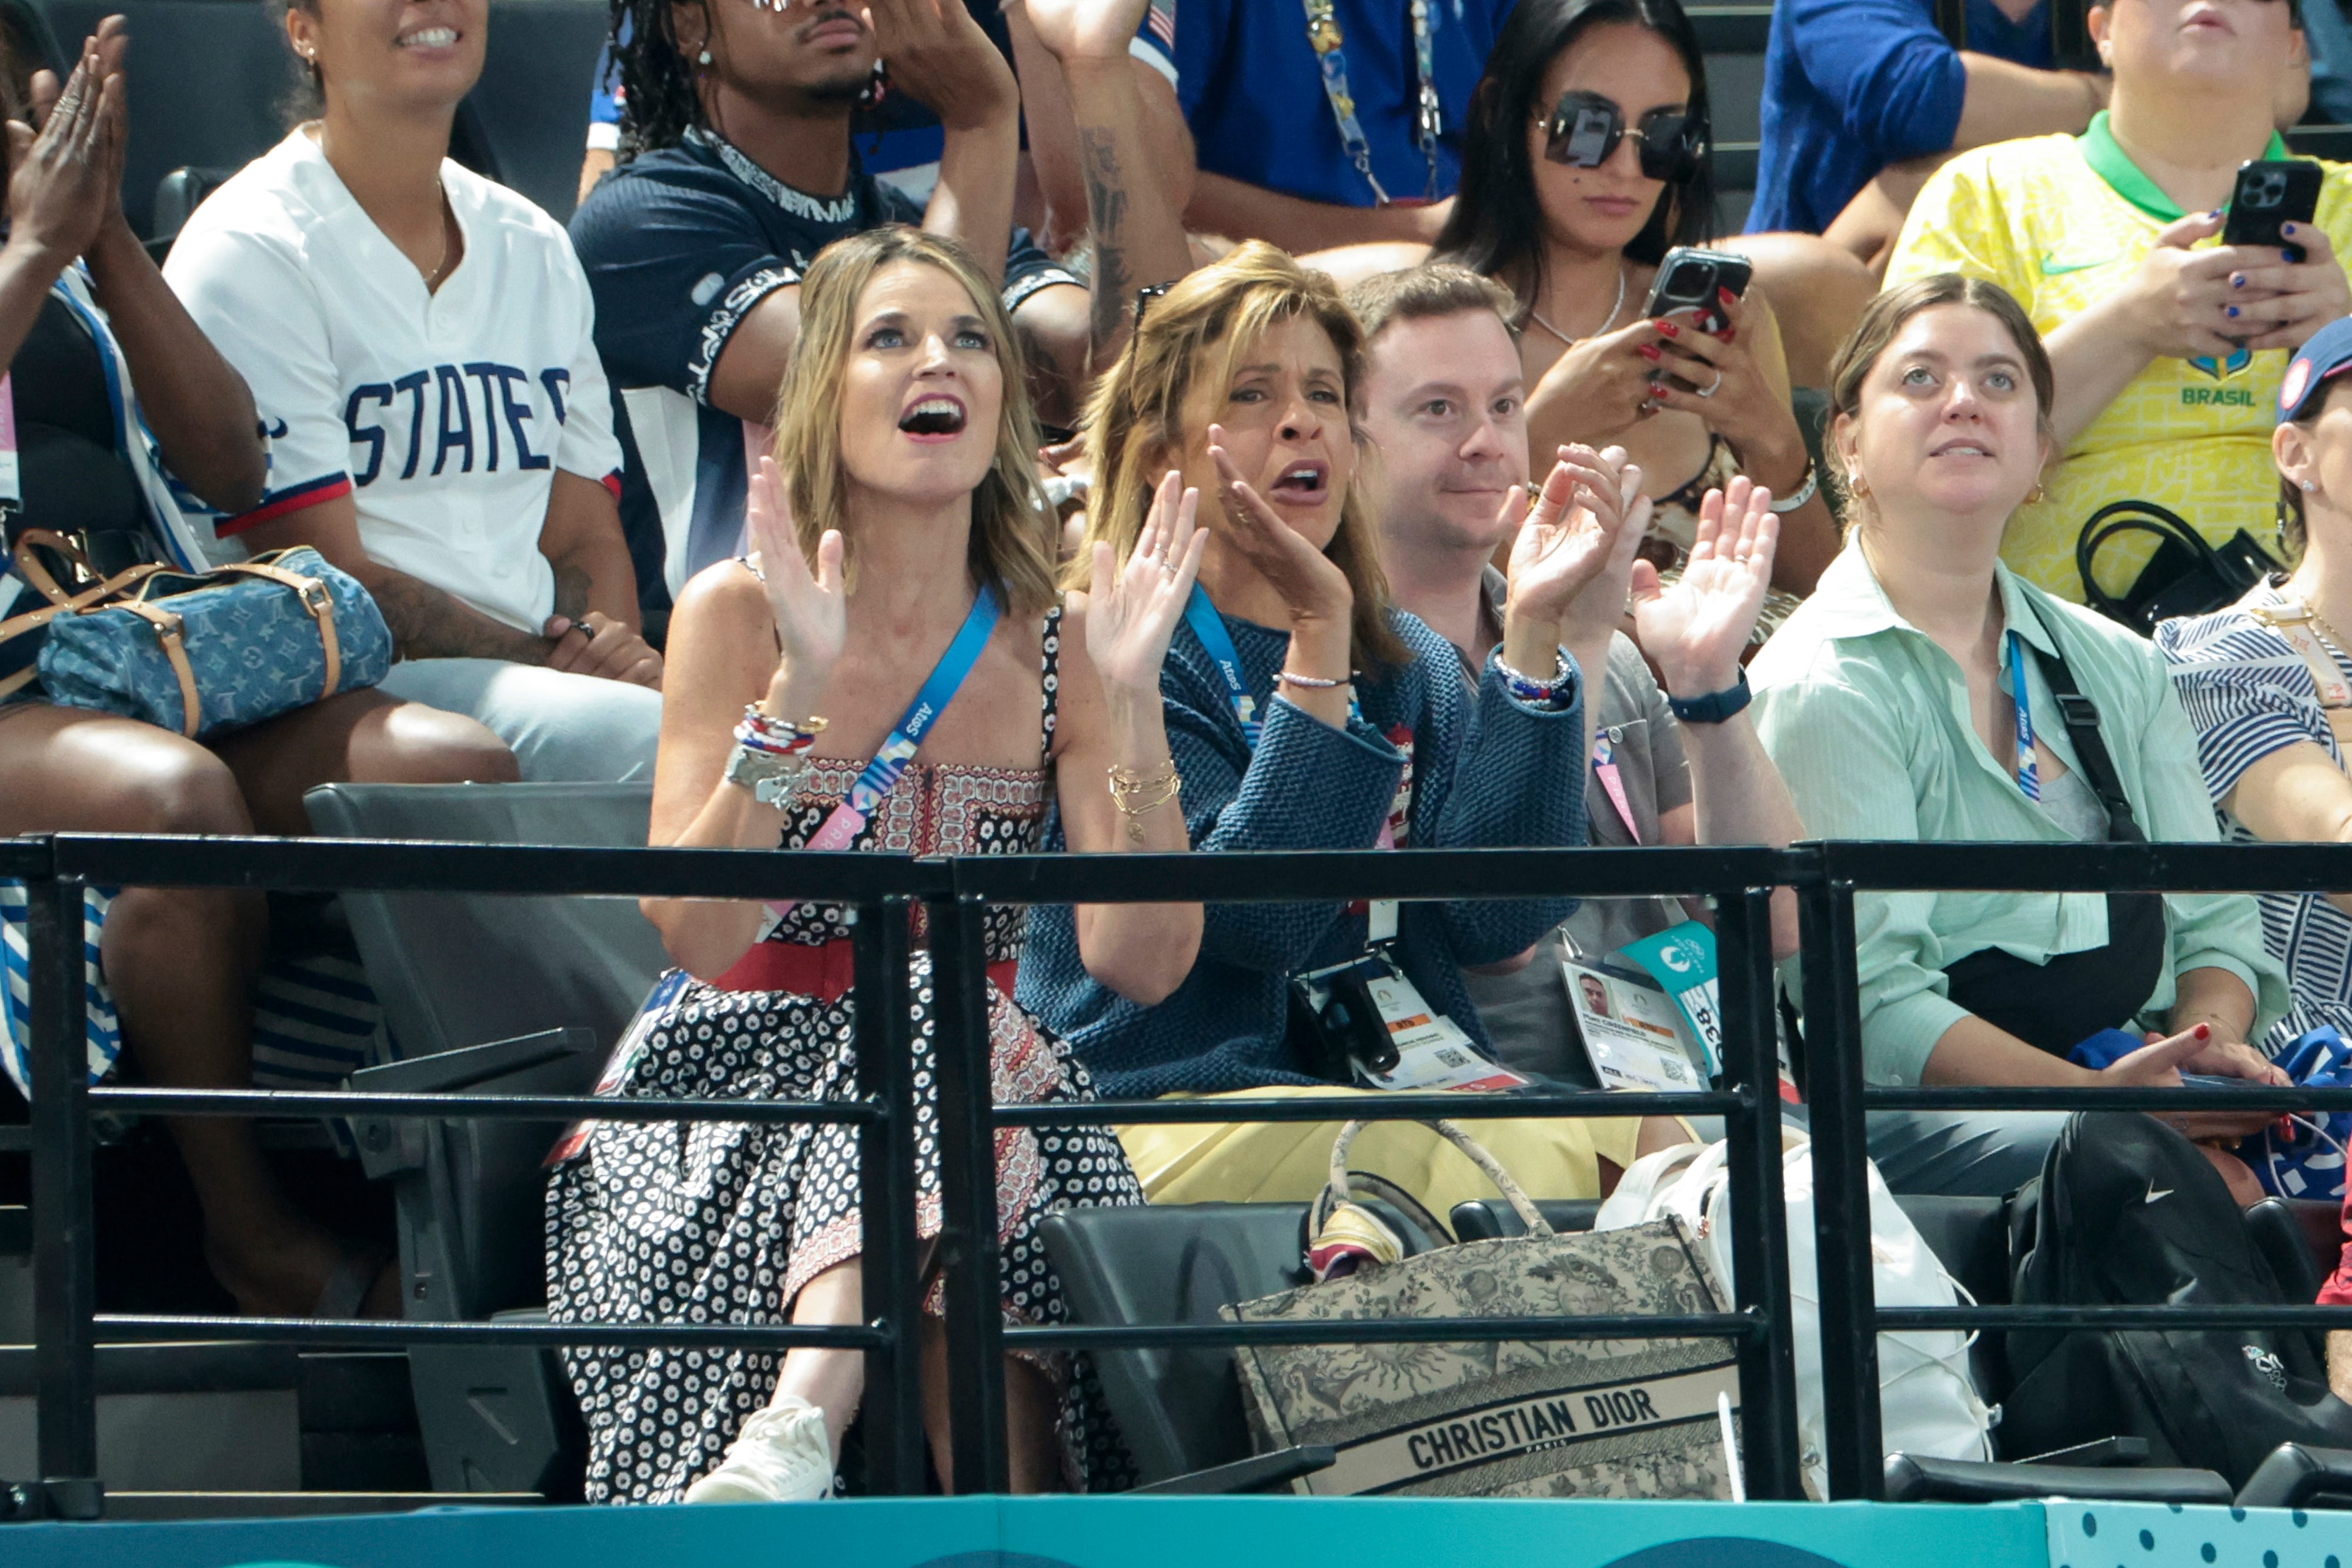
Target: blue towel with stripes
[{"x": 316, "y": 1020}]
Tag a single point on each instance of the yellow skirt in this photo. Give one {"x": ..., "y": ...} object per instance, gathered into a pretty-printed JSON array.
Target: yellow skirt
[{"x": 1289, "y": 1162}]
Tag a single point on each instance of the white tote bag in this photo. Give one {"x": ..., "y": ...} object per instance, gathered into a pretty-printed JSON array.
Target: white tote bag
[{"x": 1928, "y": 1402}]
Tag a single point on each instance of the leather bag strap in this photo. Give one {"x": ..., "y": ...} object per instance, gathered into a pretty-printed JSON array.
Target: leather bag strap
[
  {"x": 313, "y": 597},
  {"x": 168, "y": 633}
]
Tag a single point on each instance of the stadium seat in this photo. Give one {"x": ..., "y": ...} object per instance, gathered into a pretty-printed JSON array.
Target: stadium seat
[
  {"x": 1180, "y": 1409},
  {"x": 208, "y": 82},
  {"x": 530, "y": 108},
  {"x": 553, "y": 982},
  {"x": 469, "y": 1196},
  {"x": 459, "y": 969},
  {"x": 1914, "y": 1479},
  {"x": 2299, "y": 1477}
]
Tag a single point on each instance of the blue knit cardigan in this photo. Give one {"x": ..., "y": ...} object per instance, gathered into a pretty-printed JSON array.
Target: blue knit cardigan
[{"x": 1488, "y": 771}]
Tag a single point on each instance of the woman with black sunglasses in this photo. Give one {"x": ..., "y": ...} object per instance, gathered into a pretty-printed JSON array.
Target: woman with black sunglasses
[{"x": 1585, "y": 160}]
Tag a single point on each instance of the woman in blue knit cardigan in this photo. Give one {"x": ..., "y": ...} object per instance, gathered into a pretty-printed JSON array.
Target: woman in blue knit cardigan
[{"x": 1315, "y": 715}]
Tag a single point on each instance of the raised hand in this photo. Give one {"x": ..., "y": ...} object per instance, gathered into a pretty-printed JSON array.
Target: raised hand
[
  {"x": 1695, "y": 631},
  {"x": 1132, "y": 611},
  {"x": 944, "y": 61},
  {"x": 1085, "y": 30},
  {"x": 812, "y": 611},
  {"x": 1309, "y": 581},
  {"x": 1583, "y": 528},
  {"x": 66, "y": 182}
]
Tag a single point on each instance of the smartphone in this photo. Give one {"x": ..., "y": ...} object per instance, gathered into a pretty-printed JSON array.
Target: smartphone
[
  {"x": 1689, "y": 279},
  {"x": 2270, "y": 193}
]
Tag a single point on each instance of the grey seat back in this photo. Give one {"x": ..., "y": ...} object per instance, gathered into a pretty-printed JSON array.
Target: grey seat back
[
  {"x": 457, "y": 969},
  {"x": 1180, "y": 1409}
]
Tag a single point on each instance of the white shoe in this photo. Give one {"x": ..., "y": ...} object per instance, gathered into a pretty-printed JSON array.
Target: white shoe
[{"x": 781, "y": 1456}]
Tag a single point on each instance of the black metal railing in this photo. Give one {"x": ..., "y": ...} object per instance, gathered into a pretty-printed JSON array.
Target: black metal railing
[
  {"x": 1839, "y": 1102},
  {"x": 885, "y": 891}
]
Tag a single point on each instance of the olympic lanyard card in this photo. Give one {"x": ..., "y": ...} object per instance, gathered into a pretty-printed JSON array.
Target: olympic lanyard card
[
  {"x": 1682, "y": 960},
  {"x": 1432, "y": 1052},
  {"x": 1633, "y": 1034}
]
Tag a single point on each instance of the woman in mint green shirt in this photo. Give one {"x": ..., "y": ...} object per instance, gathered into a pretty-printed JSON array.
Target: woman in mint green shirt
[{"x": 1887, "y": 701}]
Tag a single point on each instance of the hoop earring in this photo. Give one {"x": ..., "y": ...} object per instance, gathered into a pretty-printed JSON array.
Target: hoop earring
[
  {"x": 2036, "y": 494},
  {"x": 1855, "y": 484}
]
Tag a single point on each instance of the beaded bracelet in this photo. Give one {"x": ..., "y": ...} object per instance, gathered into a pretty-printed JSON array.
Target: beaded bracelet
[
  {"x": 763, "y": 732},
  {"x": 1310, "y": 682},
  {"x": 1529, "y": 690}
]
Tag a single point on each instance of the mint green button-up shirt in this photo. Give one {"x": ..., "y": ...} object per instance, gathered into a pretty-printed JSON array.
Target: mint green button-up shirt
[{"x": 1868, "y": 721}]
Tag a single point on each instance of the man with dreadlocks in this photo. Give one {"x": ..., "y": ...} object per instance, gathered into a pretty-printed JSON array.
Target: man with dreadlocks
[{"x": 738, "y": 169}]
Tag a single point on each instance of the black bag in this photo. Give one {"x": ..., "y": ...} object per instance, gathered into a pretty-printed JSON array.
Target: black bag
[
  {"x": 2186, "y": 576},
  {"x": 2129, "y": 1213}
]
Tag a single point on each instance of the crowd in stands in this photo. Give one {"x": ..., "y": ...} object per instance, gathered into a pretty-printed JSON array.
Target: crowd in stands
[{"x": 1113, "y": 426}]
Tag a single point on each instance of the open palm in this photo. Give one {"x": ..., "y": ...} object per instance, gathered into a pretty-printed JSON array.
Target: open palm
[
  {"x": 1696, "y": 630},
  {"x": 812, "y": 611},
  {"x": 1132, "y": 610},
  {"x": 1583, "y": 524}
]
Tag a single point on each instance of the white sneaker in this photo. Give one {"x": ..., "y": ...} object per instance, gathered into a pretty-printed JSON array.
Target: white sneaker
[{"x": 781, "y": 1456}]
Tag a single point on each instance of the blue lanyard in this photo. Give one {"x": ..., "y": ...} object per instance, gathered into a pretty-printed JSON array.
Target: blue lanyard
[
  {"x": 1210, "y": 628},
  {"x": 2029, "y": 772},
  {"x": 1324, "y": 34},
  {"x": 890, "y": 761}
]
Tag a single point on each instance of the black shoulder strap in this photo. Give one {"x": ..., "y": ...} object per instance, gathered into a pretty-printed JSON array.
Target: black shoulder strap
[
  {"x": 1952, "y": 21},
  {"x": 2082, "y": 717}
]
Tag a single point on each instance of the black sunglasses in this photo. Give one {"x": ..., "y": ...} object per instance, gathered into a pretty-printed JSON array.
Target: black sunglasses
[
  {"x": 1146, "y": 294},
  {"x": 1584, "y": 129}
]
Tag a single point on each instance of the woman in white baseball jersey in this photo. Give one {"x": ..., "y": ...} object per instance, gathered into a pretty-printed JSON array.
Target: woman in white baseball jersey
[
  {"x": 109, "y": 383},
  {"x": 418, "y": 341}
]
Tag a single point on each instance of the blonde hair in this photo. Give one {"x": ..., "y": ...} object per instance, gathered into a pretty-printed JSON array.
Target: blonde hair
[
  {"x": 1136, "y": 416},
  {"x": 1013, "y": 530}
]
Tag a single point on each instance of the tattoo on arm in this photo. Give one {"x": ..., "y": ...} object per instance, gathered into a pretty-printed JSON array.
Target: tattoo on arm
[
  {"x": 427, "y": 623},
  {"x": 1106, "y": 208}
]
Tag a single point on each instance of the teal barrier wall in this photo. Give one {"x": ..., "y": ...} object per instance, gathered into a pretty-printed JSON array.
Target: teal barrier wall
[
  {"x": 1223, "y": 1532},
  {"x": 1102, "y": 1532}
]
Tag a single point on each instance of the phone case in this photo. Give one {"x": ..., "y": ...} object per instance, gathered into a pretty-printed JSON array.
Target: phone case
[
  {"x": 1722, "y": 270},
  {"x": 2270, "y": 193}
]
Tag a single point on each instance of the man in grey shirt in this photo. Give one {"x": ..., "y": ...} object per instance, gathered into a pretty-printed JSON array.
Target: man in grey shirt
[{"x": 1442, "y": 398}]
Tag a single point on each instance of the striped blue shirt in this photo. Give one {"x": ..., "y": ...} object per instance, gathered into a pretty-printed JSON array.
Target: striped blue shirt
[{"x": 2248, "y": 694}]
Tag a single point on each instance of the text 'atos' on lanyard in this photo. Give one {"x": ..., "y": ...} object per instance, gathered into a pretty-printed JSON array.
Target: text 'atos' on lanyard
[
  {"x": 2029, "y": 771},
  {"x": 840, "y": 829},
  {"x": 1328, "y": 42},
  {"x": 1210, "y": 628}
]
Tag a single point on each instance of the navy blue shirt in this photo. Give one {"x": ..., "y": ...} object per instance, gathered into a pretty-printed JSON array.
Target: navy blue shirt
[
  {"x": 1478, "y": 762},
  {"x": 1252, "y": 87},
  {"x": 899, "y": 132},
  {"x": 680, "y": 246},
  {"x": 1851, "y": 86}
]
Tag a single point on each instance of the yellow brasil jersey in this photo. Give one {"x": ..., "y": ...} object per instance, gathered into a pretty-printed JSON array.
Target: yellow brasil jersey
[{"x": 2060, "y": 221}]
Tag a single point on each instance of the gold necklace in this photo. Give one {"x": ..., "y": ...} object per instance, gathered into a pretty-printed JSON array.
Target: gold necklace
[{"x": 432, "y": 279}]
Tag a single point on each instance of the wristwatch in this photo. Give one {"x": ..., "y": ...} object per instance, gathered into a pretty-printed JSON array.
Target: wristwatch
[{"x": 1714, "y": 707}]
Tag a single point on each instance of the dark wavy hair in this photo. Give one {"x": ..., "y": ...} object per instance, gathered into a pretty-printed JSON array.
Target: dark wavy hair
[
  {"x": 1496, "y": 226},
  {"x": 658, "y": 102}
]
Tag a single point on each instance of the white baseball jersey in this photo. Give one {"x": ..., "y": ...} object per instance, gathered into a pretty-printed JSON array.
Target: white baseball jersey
[{"x": 444, "y": 415}]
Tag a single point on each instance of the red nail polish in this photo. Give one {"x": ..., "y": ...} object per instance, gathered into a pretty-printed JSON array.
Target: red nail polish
[
  {"x": 1668, "y": 328},
  {"x": 1657, "y": 391},
  {"x": 1726, "y": 295},
  {"x": 1653, "y": 352},
  {"x": 2203, "y": 1032},
  {"x": 1729, "y": 333}
]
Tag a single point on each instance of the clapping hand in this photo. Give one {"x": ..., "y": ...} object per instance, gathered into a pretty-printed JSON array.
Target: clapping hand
[
  {"x": 1580, "y": 533},
  {"x": 1696, "y": 630},
  {"x": 1309, "y": 581},
  {"x": 811, "y": 613},
  {"x": 1131, "y": 610},
  {"x": 66, "y": 182},
  {"x": 939, "y": 54}
]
